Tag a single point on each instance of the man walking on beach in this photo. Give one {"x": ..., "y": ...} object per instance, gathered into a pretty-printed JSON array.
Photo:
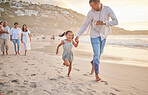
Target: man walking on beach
[
  {"x": 98, "y": 18},
  {"x": 4, "y": 38}
]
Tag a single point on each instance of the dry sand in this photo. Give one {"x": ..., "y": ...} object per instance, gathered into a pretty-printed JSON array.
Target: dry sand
[{"x": 41, "y": 72}]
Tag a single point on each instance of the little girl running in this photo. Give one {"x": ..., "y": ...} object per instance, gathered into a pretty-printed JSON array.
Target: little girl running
[{"x": 67, "y": 46}]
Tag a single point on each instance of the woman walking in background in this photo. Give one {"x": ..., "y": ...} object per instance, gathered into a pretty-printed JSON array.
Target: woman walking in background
[
  {"x": 15, "y": 34},
  {"x": 26, "y": 38}
]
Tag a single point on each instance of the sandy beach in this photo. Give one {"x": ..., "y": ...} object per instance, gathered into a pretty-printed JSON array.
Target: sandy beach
[{"x": 123, "y": 71}]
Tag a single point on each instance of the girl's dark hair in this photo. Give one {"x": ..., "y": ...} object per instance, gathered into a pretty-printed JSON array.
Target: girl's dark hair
[
  {"x": 65, "y": 33},
  {"x": 95, "y": 1},
  {"x": 23, "y": 28}
]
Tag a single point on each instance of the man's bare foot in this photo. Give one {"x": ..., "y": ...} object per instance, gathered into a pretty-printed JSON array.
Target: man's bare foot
[{"x": 98, "y": 79}]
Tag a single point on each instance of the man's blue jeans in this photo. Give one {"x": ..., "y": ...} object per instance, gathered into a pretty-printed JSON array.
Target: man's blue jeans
[
  {"x": 98, "y": 46},
  {"x": 16, "y": 41}
]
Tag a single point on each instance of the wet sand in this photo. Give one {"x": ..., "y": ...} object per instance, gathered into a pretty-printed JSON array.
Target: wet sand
[{"x": 41, "y": 72}]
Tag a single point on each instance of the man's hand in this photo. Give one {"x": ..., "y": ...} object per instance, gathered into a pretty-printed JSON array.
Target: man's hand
[
  {"x": 100, "y": 23},
  {"x": 77, "y": 39}
]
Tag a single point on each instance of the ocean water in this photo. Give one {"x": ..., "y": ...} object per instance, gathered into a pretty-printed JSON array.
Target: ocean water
[{"x": 123, "y": 40}]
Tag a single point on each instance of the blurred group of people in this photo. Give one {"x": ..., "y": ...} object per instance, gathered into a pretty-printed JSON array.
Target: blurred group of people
[{"x": 16, "y": 35}]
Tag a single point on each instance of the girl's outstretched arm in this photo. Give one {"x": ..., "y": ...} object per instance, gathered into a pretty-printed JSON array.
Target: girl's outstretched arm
[
  {"x": 62, "y": 42},
  {"x": 75, "y": 44}
]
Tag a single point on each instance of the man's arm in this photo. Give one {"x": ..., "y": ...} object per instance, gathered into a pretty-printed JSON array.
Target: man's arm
[
  {"x": 85, "y": 23},
  {"x": 113, "y": 17}
]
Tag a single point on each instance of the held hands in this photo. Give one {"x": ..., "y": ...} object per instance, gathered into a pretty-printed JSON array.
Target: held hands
[
  {"x": 100, "y": 23},
  {"x": 77, "y": 39}
]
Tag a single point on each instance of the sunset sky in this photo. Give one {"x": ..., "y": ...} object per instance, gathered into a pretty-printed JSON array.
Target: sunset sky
[{"x": 132, "y": 14}]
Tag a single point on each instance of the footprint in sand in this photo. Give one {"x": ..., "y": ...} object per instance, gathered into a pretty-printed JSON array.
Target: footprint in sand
[
  {"x": 105, "y": 82},
  {"x": 53, "y": 79},
  {"x": 86, "y": 75},
  {"x": 15, "y": 81},
  {"x": 112, "y": 94},
  {"x": 33, "y": 84},
  {"x": 76, "y": 69},
  {"x": 60, "y": 77},
  {"x": 26, "y": 69},
  {"x": 117, "y": 90},
  {"x": 9, "y": 92},
  {"x": 47, "y": 92},
  {"x": 26, "y": 61},
  {"x": 33, "y": 74}
]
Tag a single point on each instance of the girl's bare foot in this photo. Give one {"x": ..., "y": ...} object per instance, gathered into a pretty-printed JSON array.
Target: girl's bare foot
[
  {"x": 67, "y": 64},
  {"x": 68, "y": 75},
  {"x": 18, "y": 52}
]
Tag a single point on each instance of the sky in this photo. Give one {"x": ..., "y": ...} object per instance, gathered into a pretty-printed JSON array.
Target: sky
[{"x": 132, "y": 14}]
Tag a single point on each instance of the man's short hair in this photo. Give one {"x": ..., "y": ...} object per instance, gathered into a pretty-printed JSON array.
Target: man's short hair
[
  {"x": 95, "y": 1},
  {"x": 16, "y": 23}
]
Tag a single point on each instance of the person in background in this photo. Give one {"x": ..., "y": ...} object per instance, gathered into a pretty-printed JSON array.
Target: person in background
[
  {"x": 4, "y": 38},
  {"x": 26, "y": 38},
  {"x": 15, "y": 34}
]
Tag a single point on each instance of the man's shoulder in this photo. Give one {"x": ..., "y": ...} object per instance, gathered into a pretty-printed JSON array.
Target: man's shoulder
[
  {"x": 107, "y": 7},
  {"x": 91, "y": 11},
  {"x": 7, "y": 27},
  {"x": 12, "y": 28}
]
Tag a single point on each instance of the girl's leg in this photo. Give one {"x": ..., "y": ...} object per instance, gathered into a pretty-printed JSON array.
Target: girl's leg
[
  {"x": 69, "y": 69},
  {"x": 25, "y": 52},
  {"x": 14, "y": 42},
  {"x": 66, "y": 62},
  {"x": 18, "y": 46}
]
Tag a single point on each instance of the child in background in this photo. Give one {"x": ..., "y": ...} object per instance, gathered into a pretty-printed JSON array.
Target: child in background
[{"x": 67, "y": 46}]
